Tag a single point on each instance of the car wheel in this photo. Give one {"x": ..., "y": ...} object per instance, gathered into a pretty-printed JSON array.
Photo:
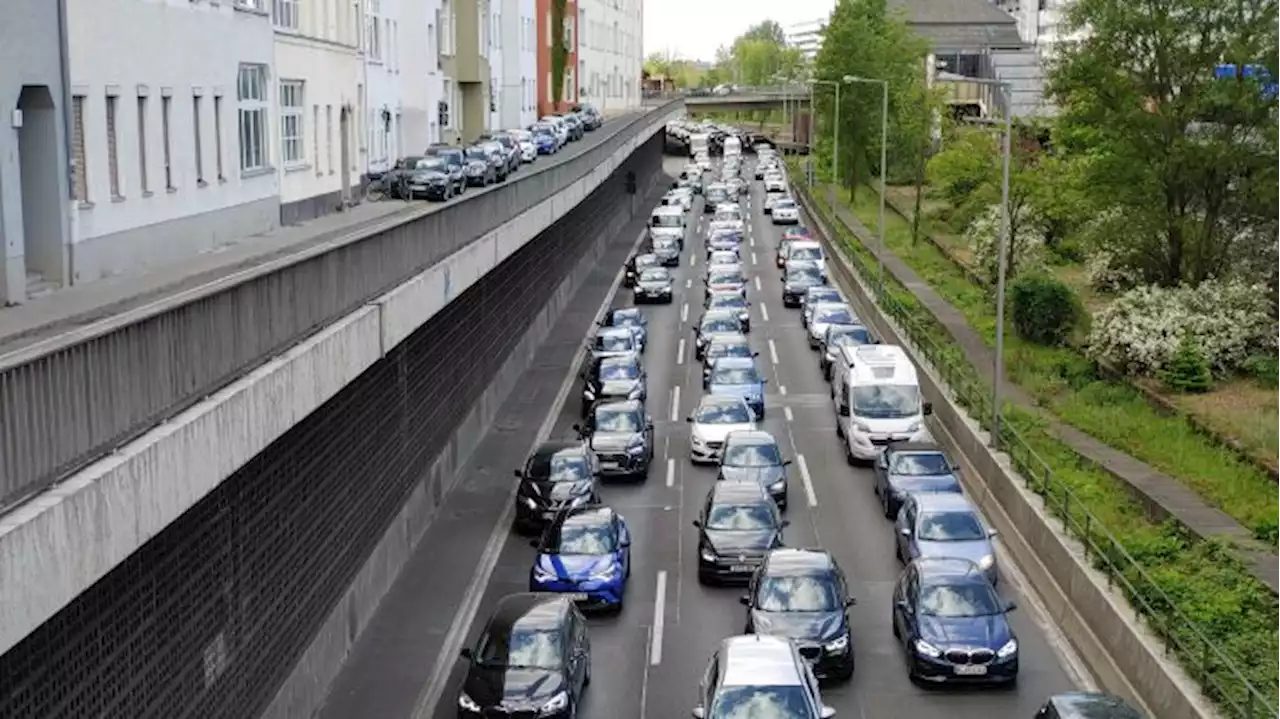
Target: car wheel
[
  {"x": 848, "y": 455},
  {"x": 887, "y": 507},
  {"x": 586, "y": 677}
]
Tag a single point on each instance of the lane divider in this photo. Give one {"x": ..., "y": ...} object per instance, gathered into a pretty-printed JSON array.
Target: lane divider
[
  {"x": 680, "y": 352},
  {"x": 782, "y": 389},
  {"x": 758, "y": 288},
  {"x": 764, "y": 310},
  {"x": 675, "y": 403},
  {"x": 787, "y": 412},
  {"x": 684, "y": 314},
  {"x": 753, "y": 258},
  {"x": 659, "y": 619},
  {"x": 773, "y": 352},
  {"x": 807, "y": 480},
  {"x": 671, "y": 471}
]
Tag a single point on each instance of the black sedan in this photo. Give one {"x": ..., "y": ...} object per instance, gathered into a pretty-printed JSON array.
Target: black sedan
[
  {"x": 480, "y": 169},
  {"x": 738, "y": 524},
  {"x": 754, "y": 456},
  {"x": 667, "y": 250},
  {"x": 654, "y": 285},
  {"x": 798, "y": 279},
  {"x": 427, "y": 177},
  {"x": 558, "y": 476}
]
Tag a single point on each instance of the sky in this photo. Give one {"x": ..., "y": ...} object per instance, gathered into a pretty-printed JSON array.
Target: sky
[{"x": 693, "y": 29}]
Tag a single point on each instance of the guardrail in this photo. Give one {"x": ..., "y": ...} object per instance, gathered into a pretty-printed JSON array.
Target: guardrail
[
  {"x": 1218, "y": 674},
  {"x": 71, "y": 399}
]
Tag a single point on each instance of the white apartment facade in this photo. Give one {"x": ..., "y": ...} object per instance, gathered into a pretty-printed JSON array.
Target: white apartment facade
[
  {"x": 806, "y": 37},
  {"x": 383, "y": 59},
  {"x": 421, "y": 74},
  {"x": 1039, "y": 21},
  {"x": 610, "y": 53},
  {"x": 518, "y": 91},
  {"x": 172, "y": 119},
  {"x": 491, "y": 38},
  {"x": 319, "y": 147}
]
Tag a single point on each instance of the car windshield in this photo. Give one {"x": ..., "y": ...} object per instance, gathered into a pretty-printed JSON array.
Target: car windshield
[
  {"x": 886, "y": 401},
  {"x": 962, "y": 599},
  {"x": 734, "y": 375},
  {"x": 614, "y": 342},
  {"x": 723, "y": 413},
  {"x": 664, "y": 243},
  {"x": 716, "y": 195},
  {"x": 784, "y": 203},
  {"x": 582, "y": 539},
  {"x": 920, "y": 464},
  {"x": 724, "y": 257},
  {"x": 618, "y": 420},
  {"x": 627, "y": 318},
  {"x": 761, "y": 702},
  {"x": 619, "y": 370},
  {"x": 644, "y": 261},
  {"x": 955, "y": 526},
  {"x": 728, "y": 302},
  {"x": 740, "y": 517},
  {"x": 655, "y": 274},
  {"x": 752, "y": 455},
  {"x": 720, "y": 324},
  {"x": 728, "y": 349},
  {"x": 427, "y": 163},
  {"x": 849, "y": 335},
  {"x": 804, "y": 276},
  {"x": 821, "y": 294},
  {"x": 726, "y": 278},
  {"x": 523, "y": 648},
  {"x": 806, "y": 253},
  {"x": 833, "y": 316},
  {"x": 475, "y": 153},
  {"x": 668, "y": 220},
  {"x": 798, "y": 594}
]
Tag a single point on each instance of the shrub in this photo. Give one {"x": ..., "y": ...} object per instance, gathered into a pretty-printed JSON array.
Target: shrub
[
  {"x": 966, "y": 164},
  {"x": 1026, "y": 243},
  {"x": 1187, "y": 370},
  {"x": 1140, "y": 332},
  {"x": 1045, "y": 309},
  {"x": 1105, "y": 274},
  {"x": 1265, "y": 369}
]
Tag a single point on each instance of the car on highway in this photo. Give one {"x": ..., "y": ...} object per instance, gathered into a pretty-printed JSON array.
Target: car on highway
[
  {"x": 681, "y": 197},
  {"x": 912, "y": 467},
  {"x": 636, "y": 264},
  {"x": 620, "y": 432},
  {"x": 807, "y": 251},
  {"x": 754, "y": 456},
  {"x": 837, "y": 336},
  {"x": 947, "y": 524},
  {"x": 728, "y": 345},
  {"x": 545, "y": 140},
  {"x": 797, "y": 278},
  {"x": 952, "y": 625},
  {"x": 609, "y": 379},
  {"x": 876, "y": 396},
  {"x": 799, "y": 232},
  {"x": 667, "y": 221},
  {"x": 730, "y": 301},
  {"x": 723, "y": 257},
  {"x": 824, "y": 315},
  {"x": 666, "y": 249},
  {"x": 775, "y": 182},
  {"x": 738, "y": 377},
  {"x": 584, "y": 554},
  {"x": 737, "y": 186},
  {"x": 803, "y": 595},
  {"x": 712, "y": 421},
  {"x": 814, "y": 296},
  {"x": 780, "y": 258},
  {"x": 785, "y": 211},
  {"x": 631, "y": 317},
  {"x": 528, "y": 145},
  {"x": 613, "y": 342},
  {"x": 724, "y": 240},
  {"x": 729, "y": 216},
  {"x": 771, "y": 199},
  {"x": 713, "y": 324},
  {"x": 533, "y": 656},
  {"x": 654, "y": 284},
  {"x": 1087, "y": 705},
  {"x": 716, "y": 194},
  {"x": 737, "y": 525},
  {"x": 558, "y": 476},
  {"x": 726, "y": 279},
  {"x": 754, "y": 675}
]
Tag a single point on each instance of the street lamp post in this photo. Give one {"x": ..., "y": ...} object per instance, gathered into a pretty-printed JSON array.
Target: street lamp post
[{"x": 884, "y": 155}]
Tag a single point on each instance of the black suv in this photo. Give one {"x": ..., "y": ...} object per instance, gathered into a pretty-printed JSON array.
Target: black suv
[
  {"x": 558, "y": 476},
  {"x": 621, "y": 435},
  {"x": 532, "y": 659},
  {"x": 611, "y": 379},
  {"x": 457, "y": 163}
]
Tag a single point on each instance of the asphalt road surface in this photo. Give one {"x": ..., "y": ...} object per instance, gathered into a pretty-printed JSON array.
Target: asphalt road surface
[{"x": 647, "y": 661}]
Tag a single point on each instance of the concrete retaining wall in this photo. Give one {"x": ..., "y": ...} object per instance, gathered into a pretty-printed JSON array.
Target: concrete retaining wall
[
  {"x": 1123, "y": 655},
  {"x": 64, "y": 540}
]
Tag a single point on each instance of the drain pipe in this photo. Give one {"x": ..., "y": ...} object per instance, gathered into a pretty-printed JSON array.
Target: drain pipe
[{"x": 64, "y": 52}]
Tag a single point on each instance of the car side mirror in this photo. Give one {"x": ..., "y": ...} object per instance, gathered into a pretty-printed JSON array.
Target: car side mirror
[
  {"x": 828, "y": 712},
  {"x": 577, "y": 428},
  {"x": 689, "y": 419},
  {"x": 928, "y": 408},
  {"x": 465, "y": 653},
  {"x": 784, "y": 524},
  {"x": 755, "y": 354},
  {"x": 518, "y": 473},
  {"x": 764, "y": 380},
  {"x": 844, "y": 410},
  {"x": 745, "y": 600},
  {"x": 850, "y": 601},
  {"x": 697, "y": 523},
  {"x": 626, "y": 542},
  {"x": 902, "y": 604},
  {"x": 993, "y": 533},
  {"x": 1010, "y": 606},
  {"x": 699, "y": 713},
  {"x": 786, "y": 463}
]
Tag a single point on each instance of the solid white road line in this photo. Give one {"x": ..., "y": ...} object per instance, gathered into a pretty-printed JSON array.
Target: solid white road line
[
  {"x": 671, "y": 472},
  {"x": 675, "y": 408},
  {"x": 684, "y": 313},
  {"x": 425, "y": 705},
  {"x": 782, "y": 389},
  {"x": 758, "y": 283},
  {"x": 787, "y": 411},
  {"x": 693, "y": 260},
  {"x": 764, "y": 312},
  {"x": 751, "y": 240},
  {"x": 688, "y": 284},
  {"x": 807, "y": 480},
  {"x": 680, "y": 352},
  {"x": 773, "y": 352},
  {"x": 659, "y": 619},
  {"x": 753, "y": 258}
]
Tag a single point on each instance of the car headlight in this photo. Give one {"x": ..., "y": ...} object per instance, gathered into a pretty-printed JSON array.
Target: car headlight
[
  {"x": 837, "y": 645},
  {"x": 707, "y": 555},
  {"x": 528, "y": 502},
  {"x": 1009, "y": 649},
  {"x": 915, "y": 427},
  {"x": 637, "y": 448},
  {"x": 558, "y": 703},
  {"x": 467, "y": 704},
  {"x": 605, "y": 574},
  {"x": 542, "y": 575},
  {"x": 987, "y": 562},
  {"x": 927, "y": 649},
  {"x": 697, "y": 441},
  {"x": 859, "y": 426},
  {"x": 778, "y": 486}
]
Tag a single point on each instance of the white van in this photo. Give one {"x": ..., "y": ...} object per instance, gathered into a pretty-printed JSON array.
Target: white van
[
  {"x": 876, "y": 394},
  {"x": 732, "y": 146},
  {"x": 668, "y": 221}
]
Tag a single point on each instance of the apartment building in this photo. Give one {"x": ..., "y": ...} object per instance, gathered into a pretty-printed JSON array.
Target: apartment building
[
  {"x": 383, "y": 60},
  {"x": 421, "y": 76},
  {"x": 518, "y": 92},
  {"x": 171, "y": 127},
  {"x": 545, "y": 35},
  {"x": 1039, "y": 21},
  {"x": 463, "y": 112},
  {"x": 806, "y": 37},
  {"x": 610, "y": 52},
  {"x": 492, "y": 30},
  {"x": 35, "y": 231}
]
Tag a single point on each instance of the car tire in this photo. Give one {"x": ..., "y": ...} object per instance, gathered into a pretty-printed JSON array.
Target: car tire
[{"x": 848, "y": 456}]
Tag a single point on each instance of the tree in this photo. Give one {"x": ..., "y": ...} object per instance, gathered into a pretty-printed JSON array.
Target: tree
[
  {"x": 1189, "y": 160},
  {"x": 559, "y": 52}
]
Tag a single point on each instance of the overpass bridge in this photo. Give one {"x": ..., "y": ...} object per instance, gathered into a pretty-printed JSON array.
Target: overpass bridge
[
  {"x": 210, "y": 475},
  {"x": 747, "y": 100}
]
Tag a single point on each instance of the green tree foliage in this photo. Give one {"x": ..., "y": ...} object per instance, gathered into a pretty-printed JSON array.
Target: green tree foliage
[
  {"x": 559, "y": 53},
  {"x": 1188, "y": 368},
  {"x": 1045, "y": 309},
  {"x": 679, "y": 72},
  {"x": 1189, "y": 160},
  {"x": 863, "y": 40}
]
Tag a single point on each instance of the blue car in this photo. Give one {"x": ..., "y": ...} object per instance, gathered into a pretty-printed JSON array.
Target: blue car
[
  {"x": 912, "y": 467},
  {"x": 952, "y": 625},
  {"x": 586, "y": 554},
  {"x": 546, "y": 143},
  {"x": 738, "y": 377}
]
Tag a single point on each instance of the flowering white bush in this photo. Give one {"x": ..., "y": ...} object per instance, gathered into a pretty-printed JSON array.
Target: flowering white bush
[
  {"x": 1142, "y": 329},
  {"x": 1105, "y": 273},
  {"x": 1026, "y": 243}
]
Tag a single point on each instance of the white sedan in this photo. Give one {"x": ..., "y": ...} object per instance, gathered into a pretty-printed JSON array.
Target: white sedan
[
  {"x": 713, "y": 420},
  {"x": 785, "y": 212}
]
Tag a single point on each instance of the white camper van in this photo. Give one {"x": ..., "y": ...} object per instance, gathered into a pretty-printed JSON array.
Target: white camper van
[{"x": 877, "y": 399}]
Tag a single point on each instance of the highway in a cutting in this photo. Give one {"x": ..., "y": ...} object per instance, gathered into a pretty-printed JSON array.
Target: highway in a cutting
[{"x": 647, "y": 661}]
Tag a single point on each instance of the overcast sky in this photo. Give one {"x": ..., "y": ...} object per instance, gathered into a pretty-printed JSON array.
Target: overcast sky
[{"x": 693, "y": 29}]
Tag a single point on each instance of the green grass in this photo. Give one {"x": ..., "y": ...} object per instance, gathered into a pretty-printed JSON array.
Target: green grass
[
  {"x": 1188, "y": 591},
  {"x": 1063, "y": 381}
]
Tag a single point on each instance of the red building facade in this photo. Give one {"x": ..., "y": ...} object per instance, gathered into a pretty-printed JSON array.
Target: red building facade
[{"x": 569, "y": 95}]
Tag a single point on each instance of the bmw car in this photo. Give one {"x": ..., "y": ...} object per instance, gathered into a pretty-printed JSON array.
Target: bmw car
[
  {"x": 637, "y": 264},
  {"x": 429, "y": 177},
  {"x": 726, "y": 279},
  {"x": 729, "y": 345},
  {"x": 631, "y": 317},
  {"x": 731, "y": 301},
  {"x": 610, "y": 379},
  {"x": 737, "y": 526},
  {"x": 952, "y": 625},
  {"x": 754, "y": 456},
  {"x": 585, "y": 554},
  {"x": 714, "y": 323},
  {"x": 908, "y": 467},
  {"x": 654, "y": 284},
  {"x": 738, "y": 377},
  {"x": 945, "y": 525},
  {"x": 558, "y": 476},
  {"x": 802, "y": 595},
  {"x": 613, "y": 342},
  {"x": 621, "y": 435}
]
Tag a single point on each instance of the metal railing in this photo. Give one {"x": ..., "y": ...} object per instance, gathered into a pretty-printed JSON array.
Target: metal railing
[
  {"x": 67, "y": 400},
  {"x": 1219, "y": 675}
]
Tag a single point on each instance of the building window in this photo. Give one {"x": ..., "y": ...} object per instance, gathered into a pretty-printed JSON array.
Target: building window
[
  {"x": 433, "y": 40},
  {"x": 548, "y": 28},
  {"x": 315, "y": 135},
  {"x": 582, "y": 26},
  {"x": 373, "y": 32},
  {"x": 252, "y": 94},
  {"x": 217, "y": 136},
  {"x": 199, "y": 142},
  {"x": 570, "y": 85},
  {"x": 286, "y": 14},
  {"x": 328, "y": 134},
  {"x": 166, "y": 105},
  {"x": 143, "y": 183},
  {"x": 446, "y": 28},
  {"x": 292, "y": 151},
  {"x": 568, "y": 33},
  {"x": 113, "y": 157},
  {"x": 445, "y": 114},
  {"x": 78, "y": 148}
]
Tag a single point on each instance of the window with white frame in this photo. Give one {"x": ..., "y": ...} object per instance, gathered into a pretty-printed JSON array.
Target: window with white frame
[
  {"x": 78, "y": 153},
  {"x": 582, "y": 27},
  {"x": 292, "y": 150},
  {"x": 373, "y": 32},
  {"x": 113, "y": 142},
  {"x": 446, "y": 28},
  {"x": 484, "y": 40},
  {"x": 446, "y": 106},
  {"x": 548, "y": 28},
  {"x": 286, "y": 14},
  {"x": 251, "y": 92},
  {"x": 568, "y": 33}
]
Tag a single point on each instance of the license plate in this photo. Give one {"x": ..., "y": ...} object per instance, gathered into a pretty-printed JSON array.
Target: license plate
[
  {"x": 582, "y": 597},
  {"x": 740, "y": 568},
  {"x": 970, "y": 670},
  {"x": 417, "y": 187},
  {"x": 609, "y": 465}
]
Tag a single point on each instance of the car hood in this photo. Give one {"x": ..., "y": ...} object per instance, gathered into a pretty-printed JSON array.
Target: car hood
[
  {"x": 426, "y": 175},
  {"x": 751, "y": 542},
  {"x": 717, "y": 432},
  {"x": 990, "y": 632},
  {"x": 804, "y": 626},
  {"x": 617, "y": 387},
  {"x": 477, "y": 165},
  {"x": 556, "y": 491},
  {"x": 727, "y": 286},
  {"x": 745, "y": 391},
  {"x": 519, "y": 687},
  {"x": 613, "y": 441},
  {"x": 764, "y": 476},
  {"x": 801, "y": 286},
  {"x": 655, "y": 284},
  {"x": 575, "y": 566},
  {"x": 973, "y": 550},
  {"x": 931, "y": 483}
]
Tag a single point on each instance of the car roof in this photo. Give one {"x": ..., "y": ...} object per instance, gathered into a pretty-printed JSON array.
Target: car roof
[
  {"x": 667, "y": 210},
  {"x": 615, "y": 331},
  {"x": 720, "y": 315},
  {"x": 1093, "y": 705},
  {"x": 798, "y": 560},
  {"x": 943, "y": 501},
  {"x": 736, "y": 362},
  {"x": 943, "y": 568},
  {"x": 915, "y": 448},
  {"x": 527, "y": 610},
  {"x": 558, "y": 446},
  {"x": 628, "y": 359},
  {"x": 633, "y": 405},
  {"x": 750, "y": 436},
  {"x": 805, "y": 243},
  {"x": 826, "y": 305},
  {"x": 758, "y": 660},
  {"x": 627, "y": 311},
  {"x": 588, "y": 517},
  {"x": 745, "y": 492},
  {"x": 821, "y": 289},
  {"x": 730, "y": 338}
]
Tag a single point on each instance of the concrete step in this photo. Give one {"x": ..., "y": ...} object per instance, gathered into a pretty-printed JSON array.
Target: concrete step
[{"x": 38, "y": 286}]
